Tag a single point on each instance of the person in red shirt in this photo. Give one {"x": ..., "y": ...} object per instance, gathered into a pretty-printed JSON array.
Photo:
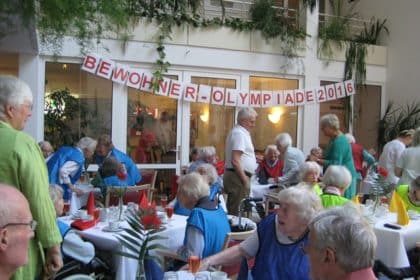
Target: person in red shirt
[{"x": 271, "y": 166}]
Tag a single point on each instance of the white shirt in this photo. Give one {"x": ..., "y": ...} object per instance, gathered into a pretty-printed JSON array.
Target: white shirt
[
  {"x": 388, "y": 159},
  {"x": 69, "y": 169},
  {"x": 239, "y": 139},
  {"x": 409, "y": 162}
]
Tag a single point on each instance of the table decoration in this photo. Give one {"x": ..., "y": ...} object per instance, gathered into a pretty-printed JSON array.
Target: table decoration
[
  {"x": 144, "y": 228},
  {"x": 379, "y": 186}
]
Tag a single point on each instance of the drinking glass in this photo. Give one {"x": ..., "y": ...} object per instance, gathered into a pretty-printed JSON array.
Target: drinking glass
[
  {"x": 66, "y": 208},
  {"x": 194, "y": 264},
  {"x": 169, "y": 212}
]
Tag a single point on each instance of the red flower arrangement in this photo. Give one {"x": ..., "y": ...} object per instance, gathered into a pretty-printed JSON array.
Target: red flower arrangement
[
  {"x": 382, "y": 171},
  {"x": 149, "y": 218},
  {"x": 122, "y": 175}
]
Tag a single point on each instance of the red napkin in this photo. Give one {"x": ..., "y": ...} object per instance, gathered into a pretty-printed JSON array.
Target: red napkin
[
  {"x": 90, "y": 206},
  {"x": 143, "y": 200},
  {"x": 82, "y": 225}
]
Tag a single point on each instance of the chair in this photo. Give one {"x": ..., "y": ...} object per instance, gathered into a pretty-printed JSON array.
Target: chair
[
  {"x": 132, "y": 194},
  {"x": 149, "y": 177}
]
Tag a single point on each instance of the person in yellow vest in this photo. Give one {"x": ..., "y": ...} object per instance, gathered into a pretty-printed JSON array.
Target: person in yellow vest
[
  {"x": 336, "y": 180},
  {"x": 309, "y": 174},
  {"x": 410, "y": 194}
]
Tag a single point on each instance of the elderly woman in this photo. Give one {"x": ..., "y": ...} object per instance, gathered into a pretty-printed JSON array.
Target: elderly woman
[
  {"x": 408, "y": 164},
  {"x": 276, "y": 243},
  {"x": 271, "y": 166},
  {"x": 410, "y": 194},
  {"x": 336, "y": 180},
  {"x": 207, "y": 224},
  {"x": 309, "y": 175},
  {"x": 46, "y": 149},
  {"x": 338, "y": 151},
  {"x": 206, "y": 154},
  {"x": 66, "y": 165}
]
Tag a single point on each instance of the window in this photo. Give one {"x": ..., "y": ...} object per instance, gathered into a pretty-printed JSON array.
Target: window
[{"x": 9, "y": 64}]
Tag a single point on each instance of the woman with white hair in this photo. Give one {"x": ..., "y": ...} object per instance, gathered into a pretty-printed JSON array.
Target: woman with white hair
[
  {"x": 277, "y": 241},
  {"x": 67, "y": 164},
  {"x": 338, "y": 151},
  {"x": 309, "y": 175},
  {"x": 410, "y": 194},
  {"x": 336, "y": 180},
  {"x": 271, "y": 166},
  {"x": 207, "y": 224},
  {"x": 408, "y": 164}
]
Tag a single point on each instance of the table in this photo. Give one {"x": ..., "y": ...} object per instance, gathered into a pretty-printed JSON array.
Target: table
[
  {"x": 125, "y": 267},
  {"x": 393, "y": 244},
  {"x": 77, "y": 202},
  {"x": 258, "y": 190}
]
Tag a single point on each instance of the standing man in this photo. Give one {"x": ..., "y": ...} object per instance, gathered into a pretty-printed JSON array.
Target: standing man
[
  {"x": 22, "y": 165},
  {"x": 240, "y": 162}
]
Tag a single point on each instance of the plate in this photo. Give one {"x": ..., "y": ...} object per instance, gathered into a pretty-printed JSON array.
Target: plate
[{"x": 107, "y": 229}]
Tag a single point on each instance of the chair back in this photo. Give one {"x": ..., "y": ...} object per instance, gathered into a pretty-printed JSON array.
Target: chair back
[
  {"x": 132, "y": 194},
  {"x": 149, "y": 177}
]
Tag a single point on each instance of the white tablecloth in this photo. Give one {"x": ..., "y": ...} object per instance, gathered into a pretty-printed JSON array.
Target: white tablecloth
[
  {"x": 393, "y": 244},
  {"x": 258, "y": 190},
  {"x": 125, "y": 267},
  {"x": 77, "y": 202}
]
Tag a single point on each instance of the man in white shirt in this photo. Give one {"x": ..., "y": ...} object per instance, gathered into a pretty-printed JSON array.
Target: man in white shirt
[
  {"x": 392, "y": 151},
  {"x": 240, "y": 161}
]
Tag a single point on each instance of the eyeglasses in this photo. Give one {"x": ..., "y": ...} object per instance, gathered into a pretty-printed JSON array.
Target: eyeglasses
[{"x": 32, "y": 224}]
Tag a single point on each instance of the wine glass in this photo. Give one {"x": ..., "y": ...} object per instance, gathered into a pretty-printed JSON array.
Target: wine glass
[
  {"x": 169, "y": 212},
  {"x": 194, "y": 264}
]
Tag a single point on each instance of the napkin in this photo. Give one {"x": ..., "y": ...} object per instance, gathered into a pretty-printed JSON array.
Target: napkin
[
  {"x": 143, "y": 200},
  {"x": 355, "y": 199},
  {"x": 90, "y": 206},
  {"x": 82, "y": 224},
  {"x": 402, "y": 216},
  {"x": 393, "y": 203}
]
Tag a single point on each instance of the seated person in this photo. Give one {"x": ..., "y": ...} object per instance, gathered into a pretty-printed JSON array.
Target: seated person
[
  {"x": 336, "y": 180},
  {"x": 315, "y": 155},
  {"x": 410, "y": 194},
  {"x": 66, "y": 165},
  {"x": 277, "y": 242},
  {"x": 309, "y": 175},
  {"x": 207, "y": 224},
  {"x": 47, "y": 149},
  {"x": 73, "y": 245},
  {"x": 271, "y": 166},
  {"x": 105, "y": 149},
  {"x": 206, "y": 154}
]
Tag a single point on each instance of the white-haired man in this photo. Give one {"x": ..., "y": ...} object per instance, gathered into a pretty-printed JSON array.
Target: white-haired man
[
  {"x": 240, "y": 161},
  {"x": 341, "y": 245},
  {"x": 22, "y": 165}
]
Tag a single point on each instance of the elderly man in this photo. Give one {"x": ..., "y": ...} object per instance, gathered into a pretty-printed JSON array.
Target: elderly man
[
  {"x": 22, "y": 165},
  {"x": 341, "y": 245},
  {"x": 206, "y": 154},
  {"x": 240, "y": 161},
  {"x": 105, "y": 149},
  {"x": 47, "y": 149},
  {"x": 292, "y": 158},
  {"x": 16, "y": 229}
]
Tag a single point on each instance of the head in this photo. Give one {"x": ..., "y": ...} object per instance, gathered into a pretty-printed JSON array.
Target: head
[
  {"x": 208, "y": 154},
  {"x": 337, "y": 176},
  {"x": 194, "y": 155},
  {"x": 191, "y": 188},
  {"x": 271, "y": 154},
  {"x": 406, "y": 136},
  {"x": 56, "y": 194},
  {"x": 46, "y": 148},
  {"x": 247, "y": 118},
  {"x": 87, "y": 145},
  {"x": 416, "y": 138},
  {"x": 317, "y": 152},
  {"x": 209, "y": 172},
  {"x": 329, "y": 124},
  {"x": 415, "y": 188},
  {"x": 309, "y": 172},
  {"x": 350, "y": 138},
  {"x": 16, "y": 229},
  {"x": 283, "y": 141},
  {"x": 340, "y": 242},
  {"x": 15, "y": 101},
  {"x": 297, "y": 208},
  {"x": 104, "y": 145},
  {"x": 110, "y": 167}
]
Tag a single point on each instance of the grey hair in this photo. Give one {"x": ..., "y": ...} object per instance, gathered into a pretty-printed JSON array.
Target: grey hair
[
  {"x": 87, "y": 143},
  {"x": 330, "y": 120},
  {"x": 306, "y": 167},
  {"x": 193, "y": 185},
  {"x": 415, "y": 184},
  {"x": 350, "y": 138},
  {"x": 206, "y": 151},
  {"x": 306, "y": 201},
  {"x": 246, "y": 113},
  {"x": 271, "y": 148},
  {"x": 345, "y": 231},
  {"x": 416, "y": 137},
  {"x": 338, "y": 176},
  {"x": 209, "y": 172},
  {"x": 13, "y": 92},
  {"x": 56, "y": 192},
  {"x": 284, "y": 140}
]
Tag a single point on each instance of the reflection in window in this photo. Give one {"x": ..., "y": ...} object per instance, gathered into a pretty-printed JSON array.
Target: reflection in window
[
  {"x": 152, "y": 121},
  {"x": 210, "y": 124},
  {"x": 77, "y": 104},
  {"x": 9, "y": 64},
  {"x": 274, "y": 120}
]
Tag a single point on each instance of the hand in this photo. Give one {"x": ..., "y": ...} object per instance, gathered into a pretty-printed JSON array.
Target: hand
[
  {"x": 53, "y": 261},
  {"x": 313, "y": 158}
]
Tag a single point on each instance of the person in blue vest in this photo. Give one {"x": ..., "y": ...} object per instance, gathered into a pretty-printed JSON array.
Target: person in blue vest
[
  {"x": 67, "y": 164},
  {"x": 277, "y": 242},
  {"x": 207, "y": 224},
  {"x": 105, "y": 149}
]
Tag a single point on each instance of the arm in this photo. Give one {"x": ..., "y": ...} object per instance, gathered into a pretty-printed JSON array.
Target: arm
[
  {"x": 398, "y": 171},
  {"x": 292, "y": 161},
  {"x": 69, "y": 168},
  {"x": 368, "y": 157},
  {"x": 195, "y": 242},
  {"x": 229, "y": 256},
  {"x": 237, "y": 165}
]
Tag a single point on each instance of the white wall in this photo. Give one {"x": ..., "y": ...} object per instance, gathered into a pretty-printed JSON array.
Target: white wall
[{"x": 403, "y": 21}]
